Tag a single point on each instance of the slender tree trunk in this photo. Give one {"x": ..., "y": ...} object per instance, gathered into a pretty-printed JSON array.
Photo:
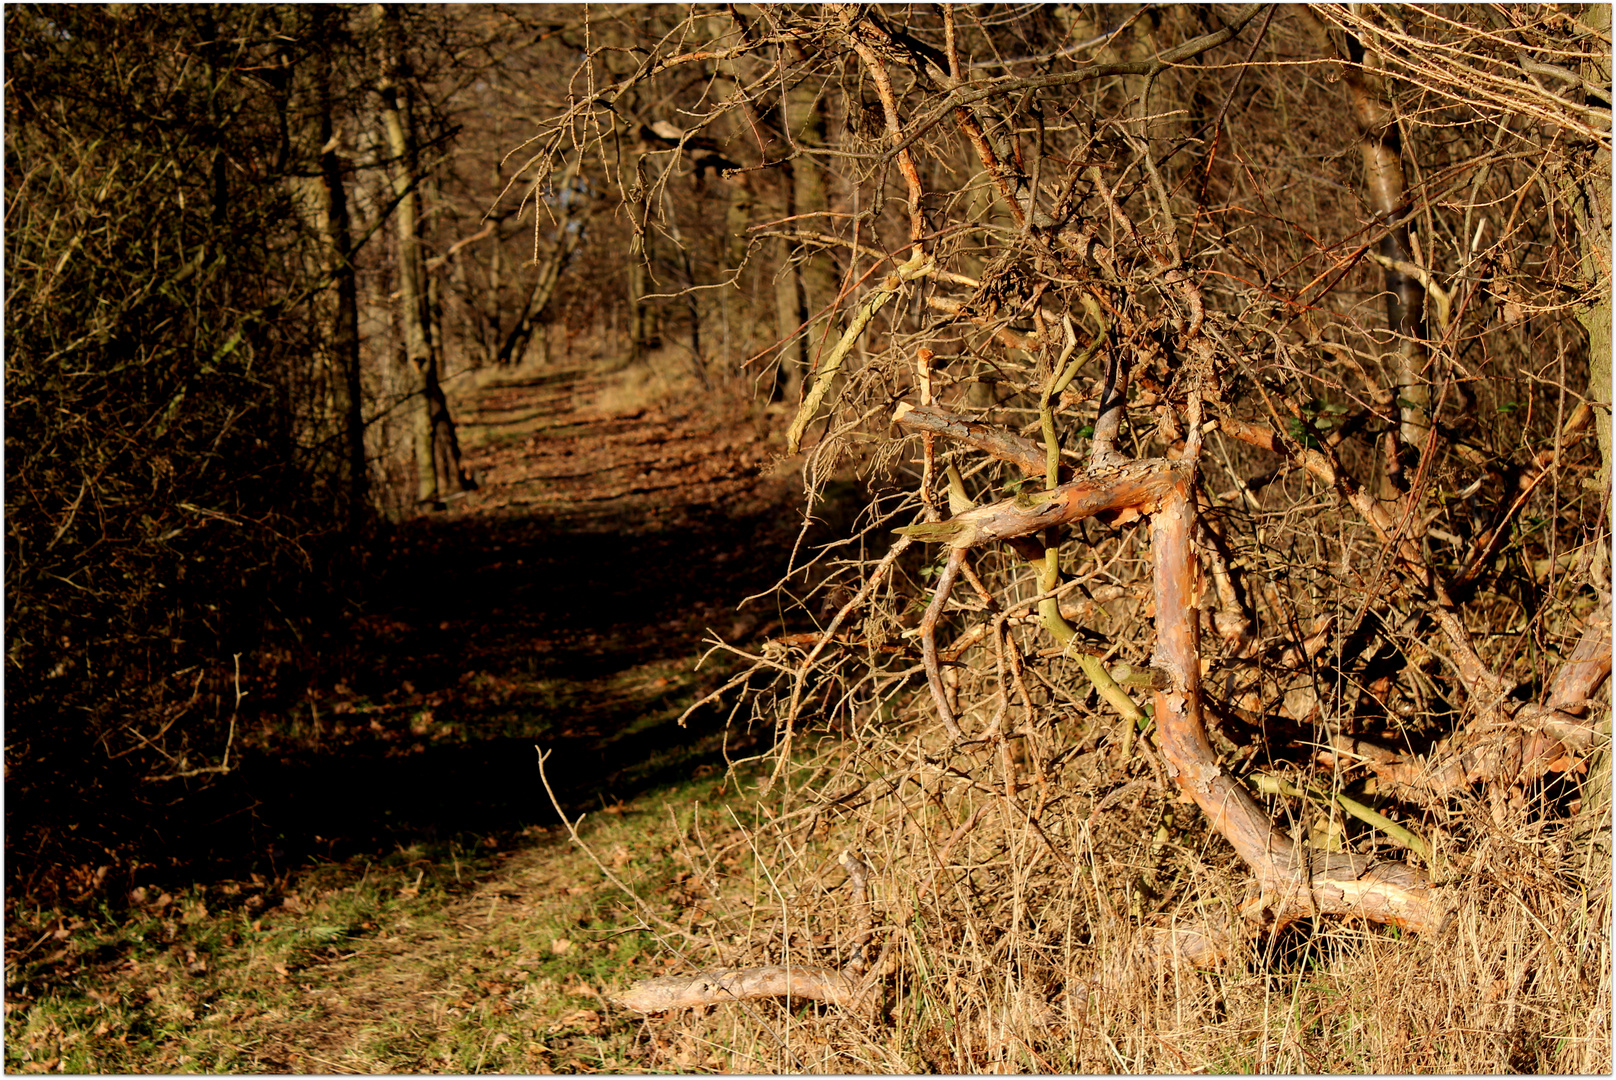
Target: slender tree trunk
[
  {"x": 437, "y": 453},
  {"x": 531, "y": 325},
  {"x": 1593, "y": 212},
  {"x": 1594, "y": 215},
  {"x": 1387, "y": 190},
  {"x": 326, "y": 207},
  {"x": 639, "y": 333},
  {"x": 815, "y": 278}
]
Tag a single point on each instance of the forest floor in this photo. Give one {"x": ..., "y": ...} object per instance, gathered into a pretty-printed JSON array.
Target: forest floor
[
  {"x": 390, "y": 889},
  {"x": 381, "y": 884}
]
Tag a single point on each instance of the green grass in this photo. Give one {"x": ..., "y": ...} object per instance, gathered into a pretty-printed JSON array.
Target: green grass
[{"x": 449, "y": 957}]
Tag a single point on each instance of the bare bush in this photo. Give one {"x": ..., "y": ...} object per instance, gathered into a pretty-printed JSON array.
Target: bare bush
[{"x": 1227, "y": 375}]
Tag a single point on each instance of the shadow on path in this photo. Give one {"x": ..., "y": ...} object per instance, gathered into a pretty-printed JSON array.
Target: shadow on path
[{"x": 563, "y": 604}]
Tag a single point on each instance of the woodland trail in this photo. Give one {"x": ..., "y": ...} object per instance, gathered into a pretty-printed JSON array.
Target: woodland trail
[
  {"x": 380, "y": 883},
  {"x": 567, "y": 597},
  {"x": 565, "y": 602}
]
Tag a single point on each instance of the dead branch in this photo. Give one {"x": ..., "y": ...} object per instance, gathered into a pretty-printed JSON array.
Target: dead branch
[
  {"x": 722, "y": 985},
  {"x": 928, "y": 640},
  {"x": 1021, "y": 452},
  {"x": 1131, "y": 489},
  {"x": 1534, "y": 734}
]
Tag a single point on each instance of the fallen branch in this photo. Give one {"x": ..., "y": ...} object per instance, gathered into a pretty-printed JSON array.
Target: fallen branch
[
  {"x": 722, "y": 985},
  {"x": 1293, "y": 883},
  {"x": 1136, "y": 488}
]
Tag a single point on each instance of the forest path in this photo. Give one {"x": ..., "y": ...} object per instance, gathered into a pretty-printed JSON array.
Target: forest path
[
  {"x": 562, "y": 604},
  {"x": 380, "y": 883}
]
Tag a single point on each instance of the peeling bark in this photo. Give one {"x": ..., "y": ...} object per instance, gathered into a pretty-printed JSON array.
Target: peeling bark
[
  {"x": 742, "y": 984},
  {"x": 1294, "y": 881},
  {"x": 1132, "y": 488}
]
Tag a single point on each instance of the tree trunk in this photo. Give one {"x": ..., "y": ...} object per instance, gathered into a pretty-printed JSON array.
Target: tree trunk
[
  {"x": 809, "y": 283},
  {"x": 326, "y": 208},
  {"x": 1387, "y": 190},
  {"x": 437, "y": 453},
  {"x": 1594, "y": 216}
]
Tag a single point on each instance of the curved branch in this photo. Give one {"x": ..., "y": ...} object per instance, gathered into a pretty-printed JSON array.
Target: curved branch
[
  {"x": 928, "y": 641},
  {"x": 1294, "y": 881}
]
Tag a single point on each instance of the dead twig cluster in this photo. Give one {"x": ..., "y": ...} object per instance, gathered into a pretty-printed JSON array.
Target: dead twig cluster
[{"x": 1224, "y": 382}]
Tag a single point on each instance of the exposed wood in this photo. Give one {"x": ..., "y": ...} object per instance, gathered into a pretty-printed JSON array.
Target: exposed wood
[
  {"x": 1294, "y": 881},
  {"x": 722, "y": 985},
  {"x": 1135, "y": 487},
  {"x": 1588, "y": 666}
]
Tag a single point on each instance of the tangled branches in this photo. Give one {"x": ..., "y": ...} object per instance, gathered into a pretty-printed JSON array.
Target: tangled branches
[{"x": 1109, "y": 330}]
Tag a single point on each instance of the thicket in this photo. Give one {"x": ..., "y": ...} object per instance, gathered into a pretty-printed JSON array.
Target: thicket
[
  {"x": 163, "y": 499},
  {"x": 1237, "y": 383},
  {"x": 243, "y": 259}
]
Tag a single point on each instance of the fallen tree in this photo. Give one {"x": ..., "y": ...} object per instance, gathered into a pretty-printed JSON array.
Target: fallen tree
[{"x": 1128, "y": 401}]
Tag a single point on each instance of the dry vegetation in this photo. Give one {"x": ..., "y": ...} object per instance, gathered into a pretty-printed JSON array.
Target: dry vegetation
[
  {"x": 1348, "y": 263},
  {"x": 1197, "y": 654}
]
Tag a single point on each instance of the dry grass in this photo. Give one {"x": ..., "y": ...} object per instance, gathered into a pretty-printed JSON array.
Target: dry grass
[{"x": 1022, "y": 956}]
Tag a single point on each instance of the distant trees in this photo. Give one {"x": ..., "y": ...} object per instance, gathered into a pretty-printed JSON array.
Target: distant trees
[{"x": 207, "y": 375}]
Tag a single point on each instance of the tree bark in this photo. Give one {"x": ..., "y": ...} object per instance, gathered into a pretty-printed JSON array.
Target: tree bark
[
  {"x": 811, "y": 284},
  {"x": 326, "y": 208},
  {"x": 437, "y": 451},
  {"x": 718, "y": 986},
  {"x": 1294, "y": 881},
  {"x": 1025, "y": 454},
  {"x": 1592, "y": 202}
]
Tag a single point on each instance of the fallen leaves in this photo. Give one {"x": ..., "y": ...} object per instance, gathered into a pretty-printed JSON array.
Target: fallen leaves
[{"x": 588, "y": 1021}]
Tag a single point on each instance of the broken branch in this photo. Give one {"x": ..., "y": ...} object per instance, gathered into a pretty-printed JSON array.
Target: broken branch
[{"x": 1137, "y": 486}]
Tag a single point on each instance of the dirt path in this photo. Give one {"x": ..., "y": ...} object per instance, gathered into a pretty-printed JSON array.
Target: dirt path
[
  {"x": 381, "y": 884},
  {"x": 562, "y": 603}
]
